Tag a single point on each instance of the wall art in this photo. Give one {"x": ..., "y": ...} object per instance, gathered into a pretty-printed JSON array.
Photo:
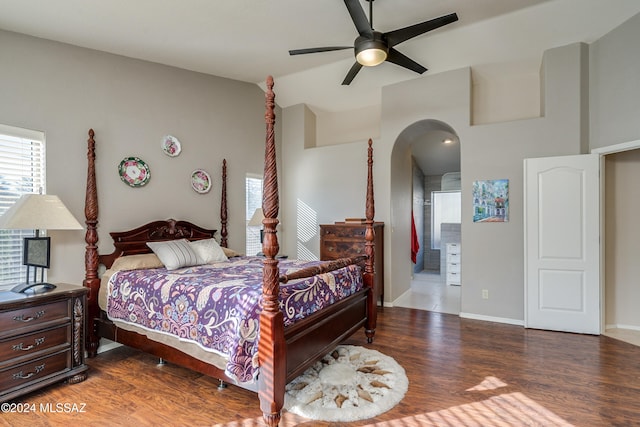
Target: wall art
[{"x": 491, "y": 200}]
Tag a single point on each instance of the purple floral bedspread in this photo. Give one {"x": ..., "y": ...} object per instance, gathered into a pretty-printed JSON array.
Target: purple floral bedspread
[{"x": 217, "y": 306}]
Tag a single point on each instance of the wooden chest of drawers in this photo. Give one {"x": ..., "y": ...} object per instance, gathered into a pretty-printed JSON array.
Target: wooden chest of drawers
[
  {"x": 41, "y": 339},
  {"x": 342, "y": 240}
]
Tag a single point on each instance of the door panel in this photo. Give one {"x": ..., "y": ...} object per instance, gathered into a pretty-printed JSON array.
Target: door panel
[{"x": 562, "y": 244}]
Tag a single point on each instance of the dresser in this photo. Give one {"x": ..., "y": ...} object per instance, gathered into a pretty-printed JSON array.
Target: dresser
[
  {"x": 344, "y": 240},
  {"x": 41, "y": 339},
  {"x": 453, "y": 264}
]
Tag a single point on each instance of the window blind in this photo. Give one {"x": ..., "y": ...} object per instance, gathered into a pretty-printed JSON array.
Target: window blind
[
  {"x": 22, "y": 171},
  {"x": 253, "y": 194}
]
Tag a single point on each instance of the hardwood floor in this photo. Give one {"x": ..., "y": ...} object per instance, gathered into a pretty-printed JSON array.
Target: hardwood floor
[{"x": 462, "y": 373}]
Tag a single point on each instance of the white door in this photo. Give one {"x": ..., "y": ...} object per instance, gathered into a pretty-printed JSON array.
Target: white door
[{"x": 562, "y": 243}]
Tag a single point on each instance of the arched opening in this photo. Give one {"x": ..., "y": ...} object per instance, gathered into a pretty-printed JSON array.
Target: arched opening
[{"x": 425, "y": 187}]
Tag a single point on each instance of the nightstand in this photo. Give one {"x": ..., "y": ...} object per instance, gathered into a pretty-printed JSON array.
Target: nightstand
[{"x": 41, "y": 339}]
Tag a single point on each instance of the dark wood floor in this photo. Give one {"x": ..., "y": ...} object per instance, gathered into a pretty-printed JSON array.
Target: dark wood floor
[{"x": 461, "y": 372}]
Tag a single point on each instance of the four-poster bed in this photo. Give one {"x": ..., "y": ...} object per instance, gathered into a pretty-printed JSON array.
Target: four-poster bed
[{"x": 285, "y": 346}]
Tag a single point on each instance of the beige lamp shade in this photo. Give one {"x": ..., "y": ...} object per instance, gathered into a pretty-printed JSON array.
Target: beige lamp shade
[
  {"x": 39, "y": 212},
  {"x": 256, "y": 218}
]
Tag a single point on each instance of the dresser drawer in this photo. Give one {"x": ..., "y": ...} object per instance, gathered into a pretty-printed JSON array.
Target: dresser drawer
[
  {"x": 333, "y": 249},
  {"x": 453, "y": 258},
  {"x": 453, "y": 278},
  {"x": 36, "y": 370},
  {"x": 33, "y": 316},
  {"x": 454, "y": 248},
  {"x": 453, "y": 267},
  {"x": 342, "y": 232},
  {"x": 25, "y": 346}
]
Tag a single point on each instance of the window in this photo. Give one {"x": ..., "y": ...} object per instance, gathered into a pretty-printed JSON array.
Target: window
[
  {"x": 253, "y": 194},
  {"x": 446, "y": 208},
  {"x": 22, "y": 171}
]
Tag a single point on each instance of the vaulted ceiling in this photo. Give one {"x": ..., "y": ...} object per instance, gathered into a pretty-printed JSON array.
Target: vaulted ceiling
[{"x": 249, "y": 39}]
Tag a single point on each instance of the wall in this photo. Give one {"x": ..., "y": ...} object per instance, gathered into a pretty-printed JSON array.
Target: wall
[
  {"x": 493, "y": 151},
  {"x": 431, "y": 256},
  {"x": 419, "y": 216},
  {"x": 614, "y": 88},
  {"x": 320, "y": 185},
  {"x": 65, "y": 90},
  {"x": 615, "y": 108},
  {"x": 588, "y": 98}
]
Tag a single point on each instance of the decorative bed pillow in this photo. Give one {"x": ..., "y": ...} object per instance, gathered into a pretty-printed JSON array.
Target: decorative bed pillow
[
  {"x": 230, "y": 253},
  {"x": 137, "y": 262},
  {"x": 175, "y": 254},
  {"x": 208, "y": 251}
]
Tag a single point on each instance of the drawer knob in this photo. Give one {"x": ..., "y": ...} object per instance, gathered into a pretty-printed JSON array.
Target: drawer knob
[
  {"x": 21, "y": 376},
  {"x": 20, "y": 346},
  {"x": 21, "y": 318}
]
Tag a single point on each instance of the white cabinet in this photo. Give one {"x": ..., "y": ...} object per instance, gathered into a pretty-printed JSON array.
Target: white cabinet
[{"x": 453, "y": 264}]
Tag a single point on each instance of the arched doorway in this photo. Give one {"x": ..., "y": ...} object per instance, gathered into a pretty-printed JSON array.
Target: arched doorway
[{"x": 425, "y": 164}]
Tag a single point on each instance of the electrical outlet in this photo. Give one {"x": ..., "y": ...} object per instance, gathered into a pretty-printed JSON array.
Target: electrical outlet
[{"x": 485, "y": 294}]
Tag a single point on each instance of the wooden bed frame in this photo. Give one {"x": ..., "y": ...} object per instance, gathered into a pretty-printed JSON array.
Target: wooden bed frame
[{"x": 284, "y": 353}]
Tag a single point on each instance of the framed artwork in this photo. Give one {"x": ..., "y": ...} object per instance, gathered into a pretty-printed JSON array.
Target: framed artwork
[
  {"x": 491, "y": 200},
  {"x": 36, "y": 251}
]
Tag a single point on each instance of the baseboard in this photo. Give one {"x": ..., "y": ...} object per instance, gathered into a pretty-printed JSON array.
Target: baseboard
[
  {"x": 618, "y": 326},
  {"x": 492, "y": 319}
]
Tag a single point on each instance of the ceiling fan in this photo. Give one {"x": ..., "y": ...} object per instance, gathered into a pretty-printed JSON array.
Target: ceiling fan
[{"x": 373, "y": 47}]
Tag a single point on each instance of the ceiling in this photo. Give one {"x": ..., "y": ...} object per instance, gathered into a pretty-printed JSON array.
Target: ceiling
[{"x": 249, "y": 39}]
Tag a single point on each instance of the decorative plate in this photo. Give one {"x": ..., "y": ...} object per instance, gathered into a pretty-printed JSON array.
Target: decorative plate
[
  {"x": 200, "y": 181},
  {"x": 134, "y": 171},
  {"x": 171, "y": 146}
]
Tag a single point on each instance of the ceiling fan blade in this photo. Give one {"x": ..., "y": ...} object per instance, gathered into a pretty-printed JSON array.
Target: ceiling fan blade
[
  {"x": 404, "y": 61},
  {"x": 352, "y": 73},
  {"x": 398, "y": 36},
  {"x": 317, "y": 49},
  {"x": 358, "y": 17}
]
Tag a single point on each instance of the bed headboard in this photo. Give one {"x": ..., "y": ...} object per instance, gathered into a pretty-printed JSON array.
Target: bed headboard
[{"x": 132, "y": 242}]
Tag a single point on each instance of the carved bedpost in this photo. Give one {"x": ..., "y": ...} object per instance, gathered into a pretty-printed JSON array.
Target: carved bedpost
[
  {"x": 271, "y": 348},
  {"x": 91, "y": 281},
  {"x": 369, "y": 270},
  {"x": 223, "y": 207}
]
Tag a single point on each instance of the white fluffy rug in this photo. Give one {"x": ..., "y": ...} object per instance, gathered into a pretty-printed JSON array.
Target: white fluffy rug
[{"x": 352, "y": 383}]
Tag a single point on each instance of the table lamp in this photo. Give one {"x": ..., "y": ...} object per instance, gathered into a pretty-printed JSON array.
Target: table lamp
[
  {"x": 256, "y": 221},
  {"x": 38, "y": 212}
]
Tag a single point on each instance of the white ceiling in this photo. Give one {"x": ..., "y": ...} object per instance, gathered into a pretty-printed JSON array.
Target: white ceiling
[{"x": 249, "y": 39}]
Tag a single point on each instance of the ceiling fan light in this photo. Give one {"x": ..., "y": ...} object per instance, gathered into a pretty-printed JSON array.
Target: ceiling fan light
[
  {"x": 371, "y": 57},
  {"x": 371, "y": 52}
]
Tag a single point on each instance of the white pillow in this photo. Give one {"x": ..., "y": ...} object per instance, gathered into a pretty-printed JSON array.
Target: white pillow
[
  {"x": 208, "y": 251},
  {"x": 175, "y": 254}
]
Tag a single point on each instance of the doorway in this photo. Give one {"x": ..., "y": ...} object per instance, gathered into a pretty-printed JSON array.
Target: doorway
[
  {"x": 621, "y": 234},
  {"x": 426, "y": 167}
]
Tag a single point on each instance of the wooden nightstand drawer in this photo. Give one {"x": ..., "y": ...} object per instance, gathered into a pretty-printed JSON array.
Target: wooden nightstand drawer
[
  {"x": 25, "y": 346},
  {"x": 36, "y": 370},
  {"x": 33, "y": 316}
]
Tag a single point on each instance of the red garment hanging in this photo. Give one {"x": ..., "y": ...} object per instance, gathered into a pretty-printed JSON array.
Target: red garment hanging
[{"x": 415, "y": 244}]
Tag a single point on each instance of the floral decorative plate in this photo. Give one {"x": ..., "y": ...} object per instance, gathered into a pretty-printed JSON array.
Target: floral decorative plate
[
  {"x": 134, "y": 171},
  {"x": 171, "y": 146},
  {"x": 200, "y": 181}
]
